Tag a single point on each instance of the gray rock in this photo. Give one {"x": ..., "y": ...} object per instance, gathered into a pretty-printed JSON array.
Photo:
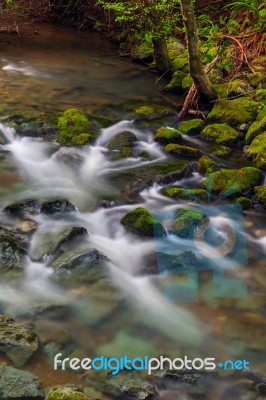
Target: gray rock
[
  {"x": 11, "y": 253},
  {"x": 16, "y": 384},
  {"x": 57, "y": 206},
  {"x": 18, "y": 342}
]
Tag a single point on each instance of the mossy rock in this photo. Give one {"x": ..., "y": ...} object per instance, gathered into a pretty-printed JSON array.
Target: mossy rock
[
  {"x": 221, "y": 134},
  {"x": 258, "y": 127},
  {"x": 182, "y": 150},
  {"x": 186, "y": 222},
  {"x": 256, "y": 79},
  {"x": 149, "y": 112},
  {"x": 257, "y": 150},
  {"x": 220, "y": 151},
  {"x": 244, "y": 202},
  {"x": 180, "y": 64},
  {"x": 178, "y": 193},
  {"x": 260, "y": 192},
  {"x": 123, "y": 142},
  {"x": 233, "y": 181},
  {"x": 187, "y": 82},
  {"x": 192, "y": 126},
  {"x": 175, "y": 85},
  {"x": 73, "y": 127},
  {"x": 237, "y": 87},
  {"x": 261, "y": 96},
  {"x": 168, "y": 135},
  {"x": 234, "y": 112},
  {"x": 206, "y": 165},
  {"x": 65, "y": 393},
  {"x": 141, "y": 222}
]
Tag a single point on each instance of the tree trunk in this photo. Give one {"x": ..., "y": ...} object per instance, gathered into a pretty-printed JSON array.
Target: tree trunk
[
  {"x": 160, "y": 51},
  {"x": 197, "y": 72},
  {"x": 160, "y": 54}
]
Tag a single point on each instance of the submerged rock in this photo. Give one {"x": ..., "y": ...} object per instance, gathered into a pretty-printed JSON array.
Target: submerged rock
[
  {"x": 181, "y": 150},
  {"x": 257, "y": 150},
  {"x": 233, "y": 181},
  {"x": 168, "y": 135},
  {"x": 220, "y": 151},
  {"x": 49, "y": 242},
  {"x": 76, "y": 267},
  {"x": 179, "y": 193},
  {"x": 234, "y": 112},
  {"x": 56, "y": 206},
  {"x": 18, "y": 342},
  {"x": 221, "y": 134},
  {"x": 16, "y": 384},
  {"x": 206, "y": 165},
  {"x": 187, "y": 221},
  {"x": 141, "y": 222},
  {"x": 23, "y": 207},
  {"x": 123, "y": 142}
]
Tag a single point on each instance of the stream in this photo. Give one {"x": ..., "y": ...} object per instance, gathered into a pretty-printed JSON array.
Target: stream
[{"x": 125, "y": 311}]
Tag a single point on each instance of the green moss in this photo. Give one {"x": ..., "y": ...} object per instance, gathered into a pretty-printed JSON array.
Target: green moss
[
  {"x": 236, "y": 181},
  {"x": 193, "y": 126},
  {"x": 221, "y": 133},
  {"x": 260, "y": 192},
  {"x": 144, "y": 111},
  {"x": 182, "y": 150},
  {"x": 185, "y": 194},
  {"x": 73, "y": 127},
  {"x": 258, "y": 127},
  {"x": 187, "y": 82},
  {"x": 261, "y": 96},
  {"x": 180, "y": 64},
  {"x": 175, "y": 85},
  {"x": 256, "y": 79},
  {"x": 257, "y": 150},
  {"x": 141, "y": 222},
  {"x": 186, "y": 222},
  {"x": 206, "y": 165},
  {"x": 237, "y": 87},
  {"x": 234, "y": 112},
  {"x": 220, "y": 151},
  {"x": 65, "y": 393},
  {"x": 244, "y": 202},
  {"x": 167, "y": 135}
]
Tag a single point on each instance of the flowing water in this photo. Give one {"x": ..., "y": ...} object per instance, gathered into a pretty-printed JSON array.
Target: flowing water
[{"x": 130, "y": 313}]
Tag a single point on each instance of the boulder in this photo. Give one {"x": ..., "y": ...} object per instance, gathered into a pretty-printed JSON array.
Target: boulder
[
  {"x": 257, "y": 151},
  {"x": 168, "y": 135},
  {"x": 258, "y": 127},
  {"x": 191, "y": 127},
  {"x": 234, "y": 112},
  {"x": 233, "y": 181},
  {"x": 11, "y": 253},
  {"x": 17, "y": 341},
  {"x": 186, "y": 222},
  {"x": 23, "y": 207},
  {"x": 17, "y": 384},
  {"x": 221, "y": 133},
  {"x": 178, "y": 193},
  {"x": 206, "y": 165},
  {"x": 73, "y": 128},
  {"x": 141, "y": 222},
  {"x": 65, "y": 393},
  {"x": 56, "y": 206},
  {"x": 181, "y": 150}
]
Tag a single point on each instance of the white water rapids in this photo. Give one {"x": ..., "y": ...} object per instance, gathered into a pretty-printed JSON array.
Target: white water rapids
[{"x": 52, "y": 171}]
